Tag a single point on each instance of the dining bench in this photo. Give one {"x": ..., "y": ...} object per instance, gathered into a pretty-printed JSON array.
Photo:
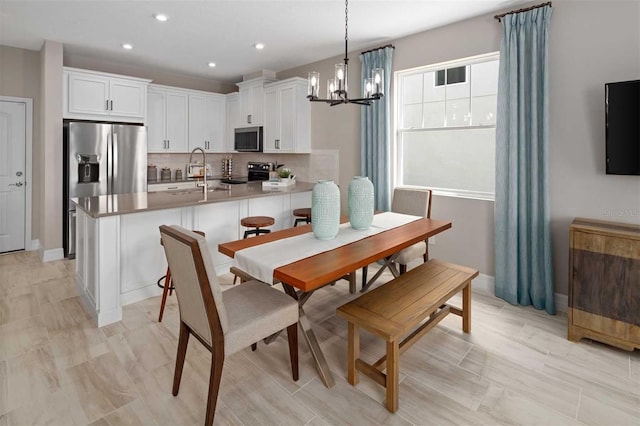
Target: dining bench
[{"x": 394, "y": 309}]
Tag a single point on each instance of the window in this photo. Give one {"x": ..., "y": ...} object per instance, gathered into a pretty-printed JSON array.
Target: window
[{"x": 446, "y": 126}]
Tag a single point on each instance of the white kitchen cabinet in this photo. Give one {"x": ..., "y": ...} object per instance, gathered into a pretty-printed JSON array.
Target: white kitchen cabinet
[
  {"x": 251, "y": 101},
  {"x": 287, "y": 125},
  {"x": 233, "y": 119},
  {"x": 167, "y": 120},
  {"x": 93, "y": 95},
  {"x": 206, "y": 122}
]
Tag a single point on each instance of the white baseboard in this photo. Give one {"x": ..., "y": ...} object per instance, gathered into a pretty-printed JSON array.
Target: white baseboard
[
  {"x": 51, "y": 254},
  {"x": 34, "y": 245},
  {"x": 140, "y": 294},
  {"x": 486, "y": 284}
]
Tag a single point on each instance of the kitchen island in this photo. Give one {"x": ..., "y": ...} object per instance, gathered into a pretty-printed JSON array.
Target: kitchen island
[{"x": 119, "y": 258}]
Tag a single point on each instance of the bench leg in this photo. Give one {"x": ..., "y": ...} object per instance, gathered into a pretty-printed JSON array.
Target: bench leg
[
  {"x": 353, "y": 353},
  {"x": 466, "y": 308},
  {"x": 393, "y": 370}
]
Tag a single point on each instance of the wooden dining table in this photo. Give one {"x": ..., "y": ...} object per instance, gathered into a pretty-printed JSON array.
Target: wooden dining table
[{"x": 301, "y": 278}]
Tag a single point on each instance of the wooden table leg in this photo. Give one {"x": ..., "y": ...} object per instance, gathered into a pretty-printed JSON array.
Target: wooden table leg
[
  {"x": 466, "y": 308},
  {"x": 393, "y": 371},
  {"x": 353, "y": 353}
]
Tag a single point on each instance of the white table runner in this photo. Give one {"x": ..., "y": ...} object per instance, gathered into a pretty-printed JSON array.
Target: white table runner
[{"x": 260, "y": 261}]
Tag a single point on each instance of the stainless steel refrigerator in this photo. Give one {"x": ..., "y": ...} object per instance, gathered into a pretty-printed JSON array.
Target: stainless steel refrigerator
[{"x": 100, "y": 159}]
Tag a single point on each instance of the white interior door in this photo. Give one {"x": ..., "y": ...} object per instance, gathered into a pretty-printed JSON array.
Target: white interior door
[{"x": 12, "y": 175}]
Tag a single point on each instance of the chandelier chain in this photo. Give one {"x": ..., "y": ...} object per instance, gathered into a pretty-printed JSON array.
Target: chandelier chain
[{"x": 346, "y": 20}]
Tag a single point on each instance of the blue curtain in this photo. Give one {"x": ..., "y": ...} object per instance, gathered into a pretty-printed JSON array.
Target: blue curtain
[
  {"x": 524, "y": 273},
  {"x": 375, "y": 130}
]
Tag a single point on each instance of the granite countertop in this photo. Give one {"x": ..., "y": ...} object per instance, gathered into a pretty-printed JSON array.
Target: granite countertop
[{"x": 118, "y": 204}]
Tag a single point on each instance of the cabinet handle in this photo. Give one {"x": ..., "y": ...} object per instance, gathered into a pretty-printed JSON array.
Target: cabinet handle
[
  {"x": 168, "y": 144},
  {"x": 107, "y": 106},
  {"x": 249, "y": 119},
  {"x": 111, "y": 105},
  {"x": 277, "y": 143}
]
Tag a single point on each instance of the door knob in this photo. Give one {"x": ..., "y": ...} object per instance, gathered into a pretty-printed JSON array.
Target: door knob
[
  {"x": 18, "y": 173},
  {"x": 18, "y": 184}
]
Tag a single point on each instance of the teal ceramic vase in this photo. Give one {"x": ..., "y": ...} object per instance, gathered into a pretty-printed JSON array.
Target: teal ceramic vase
[
  {"x": 360, "y": 202},
  {"x": 325, "y": 210}
]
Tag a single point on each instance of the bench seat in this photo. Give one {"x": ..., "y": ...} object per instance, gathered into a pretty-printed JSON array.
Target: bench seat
[{"x": 394, "y": 309}]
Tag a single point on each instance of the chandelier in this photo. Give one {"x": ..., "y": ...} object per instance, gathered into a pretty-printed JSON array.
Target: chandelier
[{"x": 373, "y": 87}]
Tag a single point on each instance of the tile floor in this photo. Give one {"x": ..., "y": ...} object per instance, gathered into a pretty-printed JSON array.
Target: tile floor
[{"x": 516, "y": 367}]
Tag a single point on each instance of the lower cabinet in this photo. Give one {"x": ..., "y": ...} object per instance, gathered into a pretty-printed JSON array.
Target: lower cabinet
[{"x": 604, "y": 283}]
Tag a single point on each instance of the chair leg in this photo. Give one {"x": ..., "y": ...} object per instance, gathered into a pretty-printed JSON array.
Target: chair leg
[
  {"x": 183, "y": 340},
  {"x": 217, "y": 361},
  {"x": 292, "y": 335},
  {"x": 167, "y": 284}
]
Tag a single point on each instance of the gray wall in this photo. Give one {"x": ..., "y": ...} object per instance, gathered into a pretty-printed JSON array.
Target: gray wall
[
  {"x": 50, "y": 150},
  {"x": 591, "y": 43}
]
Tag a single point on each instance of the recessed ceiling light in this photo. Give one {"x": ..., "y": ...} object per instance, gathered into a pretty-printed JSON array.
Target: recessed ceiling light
[
  {"x": 161, "y": 17},
  {"x": 212, "y": 64},
  {"x": 127, "y": 46},
  {"x": 259, "y": 46}
]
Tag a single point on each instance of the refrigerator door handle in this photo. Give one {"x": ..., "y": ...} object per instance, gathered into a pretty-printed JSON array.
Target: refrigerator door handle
[
  {"x": 114, "y": 163},
  {"x": 109, "y": 164}
]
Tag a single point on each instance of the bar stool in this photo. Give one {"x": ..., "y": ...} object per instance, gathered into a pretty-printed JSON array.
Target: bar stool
[
  {"x": 302, "y": 215},
  {"x": 167, "y": 287},
  {"x": 256, "y": 222}
]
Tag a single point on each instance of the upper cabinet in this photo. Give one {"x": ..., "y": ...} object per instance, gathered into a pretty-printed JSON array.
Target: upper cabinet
[
  {"x": 287, "y": 117},
  {"x": 92, "y": 95},
  {"x": 167, "y": 120},
  {"x": 251, "y": 102},
  {"x": 207, "y": 122},
  {"x": 233, "y": 119}
]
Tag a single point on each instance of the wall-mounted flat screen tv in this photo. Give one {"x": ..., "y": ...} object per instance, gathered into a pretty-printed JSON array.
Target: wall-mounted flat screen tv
[{"x": 622, "y": 106}]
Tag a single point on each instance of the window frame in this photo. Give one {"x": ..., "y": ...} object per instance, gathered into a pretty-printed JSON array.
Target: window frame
[{"x": 397, "y": 167}]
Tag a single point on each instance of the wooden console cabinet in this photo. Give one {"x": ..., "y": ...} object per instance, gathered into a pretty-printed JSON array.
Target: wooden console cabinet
[{"x": 604, "y": 283}]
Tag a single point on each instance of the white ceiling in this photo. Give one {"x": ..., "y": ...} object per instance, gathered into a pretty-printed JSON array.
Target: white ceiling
[{"x": 197, "y": 32}]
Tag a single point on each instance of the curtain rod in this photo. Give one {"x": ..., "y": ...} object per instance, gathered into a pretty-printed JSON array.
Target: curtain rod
[
  {"x": 378, "y": 48},
  {"x": 499, "y": 17}
]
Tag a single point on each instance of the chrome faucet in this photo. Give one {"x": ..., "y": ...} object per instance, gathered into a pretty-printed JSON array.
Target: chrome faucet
[{"x": 204, "y": 168}]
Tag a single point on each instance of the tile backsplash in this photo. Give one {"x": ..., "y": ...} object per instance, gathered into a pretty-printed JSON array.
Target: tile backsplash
[{"x": 320, "y": 164}]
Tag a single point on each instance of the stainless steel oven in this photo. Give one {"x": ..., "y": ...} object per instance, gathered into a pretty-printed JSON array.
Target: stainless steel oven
[{"x": 258, "y": 171}]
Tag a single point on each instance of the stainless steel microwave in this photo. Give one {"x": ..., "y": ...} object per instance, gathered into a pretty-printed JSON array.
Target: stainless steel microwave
[{"x": 248, "y": 139}]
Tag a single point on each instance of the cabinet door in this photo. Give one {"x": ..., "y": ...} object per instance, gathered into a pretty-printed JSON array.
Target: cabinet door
[
  {"x": 177, "y": 122},
  {"x": 245, "y": 108},
  {"x": 156, "y": 123},
  {"x": 287, "y": 97},
  {"x": 127, "y": 98},
  {"x": 197, "y": 122},
  {"x": 88, "y": 94},
  {"x": 233, "y": 118},
  {"x": 214, "y": 124},
  {"x": 271, "y": 120},
  {"x": 257, "y": 93}
]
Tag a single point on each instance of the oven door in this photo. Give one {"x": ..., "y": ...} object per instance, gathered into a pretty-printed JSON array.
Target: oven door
[
  {"x": 253, "y": 175},
  {"x": 248, "y": 139}
]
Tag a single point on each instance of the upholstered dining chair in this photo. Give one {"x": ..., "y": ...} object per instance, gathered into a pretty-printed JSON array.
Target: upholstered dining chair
[
  {"x": 416, "y": 202},
  {"x": 224, "y": 322}
]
